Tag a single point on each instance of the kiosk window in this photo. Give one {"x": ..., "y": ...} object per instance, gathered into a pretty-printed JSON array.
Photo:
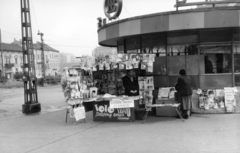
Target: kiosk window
[
  {"x": 237, "y": 58},
  {"x": 217, "y": 58},
  {"x": 177, "y": 50},
  {"x": 160, "y": 50}
]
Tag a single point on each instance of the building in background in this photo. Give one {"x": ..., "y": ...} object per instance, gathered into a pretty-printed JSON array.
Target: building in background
[
  {"x": 108, "y": 54},
  {"x": 13, "y": 59},
  {"x": 68, "y": 60},
  {"x": 86, "y": 62},
  {"x": 52, "y": 60}
]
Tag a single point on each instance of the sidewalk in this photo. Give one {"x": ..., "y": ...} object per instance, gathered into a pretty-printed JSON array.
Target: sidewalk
[{"x": 47, "y": 132}]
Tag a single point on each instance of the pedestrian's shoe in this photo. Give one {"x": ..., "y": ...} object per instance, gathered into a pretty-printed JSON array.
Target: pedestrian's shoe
[{"x": 185, "y": 116}]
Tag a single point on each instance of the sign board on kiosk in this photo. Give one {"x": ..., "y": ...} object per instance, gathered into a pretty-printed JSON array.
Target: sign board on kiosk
[
  {"x": 121, "y": 103},
  {"x": 103, "y": 112},
  {"x": 112, "y": 8}
]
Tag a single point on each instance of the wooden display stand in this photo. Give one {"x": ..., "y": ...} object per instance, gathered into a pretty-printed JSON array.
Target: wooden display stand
[
  {"x": 165, "y": 107},
  {"x": 166, "y": 111}
]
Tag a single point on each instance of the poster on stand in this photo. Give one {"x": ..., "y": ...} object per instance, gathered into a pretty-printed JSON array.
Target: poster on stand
[
  {"x": 229, "y": 101},
  {"x": 79, "y": 113},
  {"x": 149, "y": 83},
  {"x": 163, "y": 92}
]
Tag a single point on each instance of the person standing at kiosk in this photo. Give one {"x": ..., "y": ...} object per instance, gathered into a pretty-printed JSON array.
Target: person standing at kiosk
[
  {"x": 184, "y": 89},
  {"x": 130, "y": 83}
]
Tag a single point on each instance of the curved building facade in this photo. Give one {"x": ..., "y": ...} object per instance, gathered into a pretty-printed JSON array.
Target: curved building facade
[{"x": 204, "y": 41}]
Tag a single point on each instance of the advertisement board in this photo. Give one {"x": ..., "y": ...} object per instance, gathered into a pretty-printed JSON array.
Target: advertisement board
[{"x": 103, "y": 112}]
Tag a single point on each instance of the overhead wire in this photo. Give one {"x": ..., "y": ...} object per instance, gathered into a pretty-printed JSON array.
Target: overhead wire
[
  {"x": 51, "y": 44},
  {"x": 48, "y": 15},
  {"x": 31, "y": 3}
]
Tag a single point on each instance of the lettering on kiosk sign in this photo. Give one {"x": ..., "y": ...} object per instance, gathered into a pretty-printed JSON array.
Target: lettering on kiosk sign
[
  {"x": 105, "y": 111},
  {"x": 112, "y": 8},
  {"x": 119, "y": 103}
]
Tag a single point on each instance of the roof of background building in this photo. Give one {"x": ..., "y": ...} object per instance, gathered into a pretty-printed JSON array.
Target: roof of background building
[
  {"x": 45, "y": 47},
  {"x": 11, "y": 47},
  {"x": 17, "y": 46}
]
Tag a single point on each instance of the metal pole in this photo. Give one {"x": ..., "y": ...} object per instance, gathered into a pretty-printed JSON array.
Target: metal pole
[
  {"x": 1, "y": 53},
  {"x": 31, "y": 104},
  {"x": 43, "y": 61}
]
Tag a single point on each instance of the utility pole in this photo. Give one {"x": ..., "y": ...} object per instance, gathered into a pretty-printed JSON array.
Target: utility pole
[
  {"x": 42, "y": 58},
  {"x": 1, "y": 53},
  {"x": 31, "y": 104}
]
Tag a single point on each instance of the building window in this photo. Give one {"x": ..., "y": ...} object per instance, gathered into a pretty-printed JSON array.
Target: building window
[
  {"x": 237, "y": 58},
  {"x": 16, "y": 59},
  {"x": 236, "y": 49},
  {"x": 21, "y": 60},
  {"x": 7, "y": 58}
]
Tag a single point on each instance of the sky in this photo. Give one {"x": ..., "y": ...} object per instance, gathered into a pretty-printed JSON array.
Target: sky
[{"x": 70, "y": 26}]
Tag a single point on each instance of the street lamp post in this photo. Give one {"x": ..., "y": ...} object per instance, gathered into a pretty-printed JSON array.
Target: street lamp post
[{"x": 42, "y": 58}]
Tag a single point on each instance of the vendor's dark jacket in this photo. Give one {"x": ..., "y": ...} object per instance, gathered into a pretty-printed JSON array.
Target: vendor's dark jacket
[{"x": 129, "y": 85}]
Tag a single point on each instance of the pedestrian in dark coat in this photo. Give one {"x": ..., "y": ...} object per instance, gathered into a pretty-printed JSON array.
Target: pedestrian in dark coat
[{"x": 184, "y": 90}]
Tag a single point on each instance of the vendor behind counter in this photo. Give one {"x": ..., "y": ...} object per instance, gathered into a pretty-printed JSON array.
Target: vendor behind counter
[{"x": 130, "y": 83}]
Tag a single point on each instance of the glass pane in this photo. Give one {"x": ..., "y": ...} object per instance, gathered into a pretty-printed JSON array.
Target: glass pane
[
  {"x": 160, "y": 81},
  {"x": 189, "y": 63},
  {"x": 120, "y": 46},
  {"x": 159, "y": 66},
  {"x": 192, "y": 64},
  {"x": 236, "y": 58},
  {"x": 215, "y": 81},
  {"x": 194, "y": 81},
  {"x": 177, "y": 50},
  {"x": 175, "y": 64},
  {"x": 155, "y": 50},
  {"x": 133, "y": 43},
  {"x": 217, "y": 58},
  {"x": 153, "y": 40},
  {"x": 237, "y": 79}
]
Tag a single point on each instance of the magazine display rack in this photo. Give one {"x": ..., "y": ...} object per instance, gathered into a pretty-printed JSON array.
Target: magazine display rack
[{"x": 74, "y": 92}]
